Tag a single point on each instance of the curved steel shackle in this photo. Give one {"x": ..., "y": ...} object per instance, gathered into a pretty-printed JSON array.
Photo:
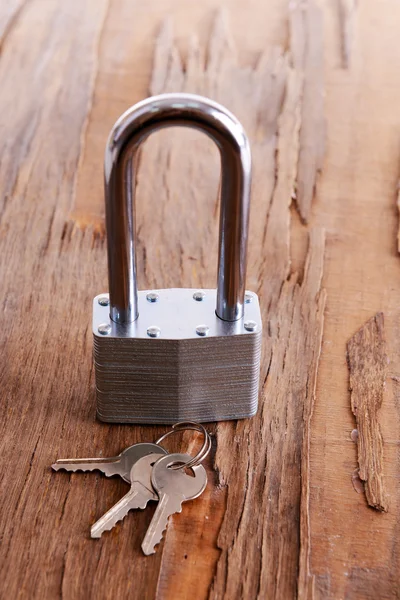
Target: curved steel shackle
[{"x": 131, "y": 129}]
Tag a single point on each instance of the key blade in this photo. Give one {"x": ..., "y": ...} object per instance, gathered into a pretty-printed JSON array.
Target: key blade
[
  {"x": 167, "y": 506},
  {"x": 108, "y": 466},
  {"x": 137, "y": 497},
  {"x": 114, "y": 465}
]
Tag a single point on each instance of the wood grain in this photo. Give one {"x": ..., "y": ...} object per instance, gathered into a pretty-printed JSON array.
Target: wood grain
[
  {"x": 347, "y": 22},
  {"x": 307, "y": 52},
  {"x": 367, "y": 362},
  {"x": 280, "y": 517}
]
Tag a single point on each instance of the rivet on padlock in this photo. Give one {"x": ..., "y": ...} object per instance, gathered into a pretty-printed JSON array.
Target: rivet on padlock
[{"x": 176, "y": 354}]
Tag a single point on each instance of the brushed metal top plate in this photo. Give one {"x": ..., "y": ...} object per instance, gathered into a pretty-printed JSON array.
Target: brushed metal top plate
[{"x": 177, "y": 314}]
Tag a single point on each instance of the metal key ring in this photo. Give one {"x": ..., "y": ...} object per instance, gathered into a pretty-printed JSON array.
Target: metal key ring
[{"x": 203, "y": 452}]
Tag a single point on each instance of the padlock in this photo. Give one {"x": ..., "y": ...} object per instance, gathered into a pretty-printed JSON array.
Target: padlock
[{"x": 169, "y": 355}]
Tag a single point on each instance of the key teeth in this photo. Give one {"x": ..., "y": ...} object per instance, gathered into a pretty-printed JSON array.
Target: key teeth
[
  {"x": 94, "y": 533},
  {"x": 146, "y": 551},
  {"x": 153, "y": 550},
  {"x": 74, "y": 469},
  {"x": 149, "y": 552},
  {"x": 57, "y": 467}
]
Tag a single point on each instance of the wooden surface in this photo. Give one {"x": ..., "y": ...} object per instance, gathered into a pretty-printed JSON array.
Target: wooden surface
[{"x": 317, "y": 87}]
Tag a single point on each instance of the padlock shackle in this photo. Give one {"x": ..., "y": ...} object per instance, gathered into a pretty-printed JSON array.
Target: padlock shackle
[{"x": 131, "y": 129}]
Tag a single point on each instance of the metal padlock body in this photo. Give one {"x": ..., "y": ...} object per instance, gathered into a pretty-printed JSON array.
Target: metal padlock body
[
  {"x": 179, "y": 357},
  {"x": 179, "y": 375}
]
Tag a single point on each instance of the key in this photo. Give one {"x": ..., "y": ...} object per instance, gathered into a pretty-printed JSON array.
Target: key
[
  {"x": 115, "y": 465},
  {"x": 173, "y": 487},
  {"x": 139, "y": 495}
]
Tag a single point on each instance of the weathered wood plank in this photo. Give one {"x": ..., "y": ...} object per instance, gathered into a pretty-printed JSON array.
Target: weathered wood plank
[
  {"x": 280, "y": 517},
  {"x": 355, "y": 550}
]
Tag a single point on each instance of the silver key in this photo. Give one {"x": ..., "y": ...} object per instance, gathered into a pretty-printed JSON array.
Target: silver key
[
  {"x": 115, "y": 465},
  {"x": 139, "y": 495},
  {"x": 173, "y": 487}
]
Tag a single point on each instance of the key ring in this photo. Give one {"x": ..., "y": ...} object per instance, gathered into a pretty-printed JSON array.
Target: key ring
[{"x": 203, "y": 452}]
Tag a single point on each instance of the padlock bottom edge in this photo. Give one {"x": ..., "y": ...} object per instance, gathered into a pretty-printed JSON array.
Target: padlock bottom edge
[{"x": 198, "y": 418}]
